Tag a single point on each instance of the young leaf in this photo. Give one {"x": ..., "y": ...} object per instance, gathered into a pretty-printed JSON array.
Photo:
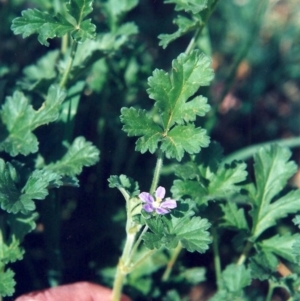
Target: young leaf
[
  {"x": 171, "y": 93},
  {"x": 81, "y": 153},
  {"x": 21, "y": 119},
  {"x": 236, "y": 277},
  {"x": 272, "y": 170},
  {"x": 7, "y": 282},
  {"x": 122, "y": 181},
  {"x": 263, "y": 265},
  {"x": 47, "y": 26},
  {"x": 281, "y": 245},
  {"x": 234, "y": 217},
  {"x": 223, "y": 183},
  {"x": 192, "y": 6},
  {"x": 184, "y": 24}
]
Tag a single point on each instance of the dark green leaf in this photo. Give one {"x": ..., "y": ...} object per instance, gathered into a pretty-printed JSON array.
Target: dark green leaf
[
  {"x": 234, "y": 217},
  {"x": 193, "y": 189},
  {"x": 263, "y": 265},
  {"x": 223, "y": 182},
  {"x": 80, "y": 154}
]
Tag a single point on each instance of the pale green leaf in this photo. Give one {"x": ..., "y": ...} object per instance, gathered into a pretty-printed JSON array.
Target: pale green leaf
[
  {"x": 7, "y": 282},
  {"x": 193, "y": 6},
  {"x": 281, "y": 245},
  {"x": 236, "y": 277},
  {"x": 272, "y": 170},
  {"x": 20, "y": 119}
]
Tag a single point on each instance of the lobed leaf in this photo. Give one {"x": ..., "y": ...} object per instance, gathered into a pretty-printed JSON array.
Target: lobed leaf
[
  {"x": 234, "y": 217},
  {"x": 192, "y": 6},
  {"x": 20, "y": 119},
  {"x": 80, "y": 154},
  {"x": 281, "y": 245},
  {"x": 7, "y": 282},
  {"x": 34, "y": 21},
  {"x": 184, "y": 138},
  {"x": 171, "y": 92},
  {"x": 272, "y": 170}
]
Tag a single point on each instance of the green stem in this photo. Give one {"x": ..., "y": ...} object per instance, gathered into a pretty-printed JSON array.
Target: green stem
[
  {"x": 65, "y": 76},
  {"x": 191, "y": 45},
  {"x": 270, "y": 291},
  {"x": 245, "y": 253},
  {"x": 157, "y": 171},
  {"x": 171, "y": 263},
  {"x": 217, "y": 261}
]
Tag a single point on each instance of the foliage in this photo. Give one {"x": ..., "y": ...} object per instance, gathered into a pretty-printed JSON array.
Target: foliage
[{"x": 61, "y": 103}]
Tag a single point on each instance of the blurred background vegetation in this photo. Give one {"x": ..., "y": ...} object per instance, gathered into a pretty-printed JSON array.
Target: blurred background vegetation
[{"x": 255, "y": 98}]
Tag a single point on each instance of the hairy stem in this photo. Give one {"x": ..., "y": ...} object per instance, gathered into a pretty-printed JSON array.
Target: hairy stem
[
  {"x": 171, "y": 263},
  {"x": 217, "y": 261},
  {"x": 245, "y": 253},
  {"x": 191, "y": 45},
  {"x": 65, "y": 76},
  {"x": 157, "y": 171}
]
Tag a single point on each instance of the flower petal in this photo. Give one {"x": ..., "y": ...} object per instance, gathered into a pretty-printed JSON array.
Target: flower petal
[
  {"x": 160, "y": 192},
  {"x": 168, "y": 204},
  {"x": 161, "y": 210},
  {"x": 146, "y": 197},
  {"x": 148, "y": 207}
]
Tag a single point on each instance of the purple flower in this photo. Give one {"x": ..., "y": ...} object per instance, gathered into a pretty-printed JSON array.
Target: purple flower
[{"x": 157, "y": 204}]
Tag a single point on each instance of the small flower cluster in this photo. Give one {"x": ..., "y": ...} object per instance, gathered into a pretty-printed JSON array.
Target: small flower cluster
[{"x": 157, "y": 205}]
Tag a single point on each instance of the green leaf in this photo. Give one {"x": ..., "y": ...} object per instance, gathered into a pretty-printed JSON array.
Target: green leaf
[
  {"x": 236, "y": 277},
  {"x": 263, "y": 265},
  {"x": 20, "y": 119},
  {"x": 7, "y": 282},
  {"x": 80, "y": 154},
  {"x": 191, "y": 232},
  {"x": 171, "y": 92},
  {"x": 116, "y": 8},
  {"x": 184, "y": 24},
  {"x": 223, "y": 183},
  {"x": 281, "y": 245},
  {"x": 272, "y": 170},
  {"x": 42, "y": 73},
  {"x": 138, "y": 123},
  {"x": 192, "y": 6},
  {"x": 21, "y": 224},
  {"x": 122, "y": 181},
  {"x": 13, "y": 199},
  {"x": 193, "y": 189},
  {"x": 47, "y": 27},
  {"x": 234, "y": 217},
  {"x": 296, "y": 220},
  {"x": 184, "y": 138}
]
